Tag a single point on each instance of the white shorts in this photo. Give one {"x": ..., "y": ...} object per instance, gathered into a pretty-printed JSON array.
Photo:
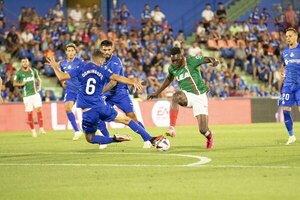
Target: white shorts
[
  {"x": 199, "y": 103},
  {"x": 33, "y": 101}
]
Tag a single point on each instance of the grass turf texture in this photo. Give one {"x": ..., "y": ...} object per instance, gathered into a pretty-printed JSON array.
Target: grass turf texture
[{"x": 248, "y": 162}]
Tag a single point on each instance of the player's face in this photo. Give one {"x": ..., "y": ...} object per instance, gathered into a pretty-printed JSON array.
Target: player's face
[
  {"x": 107, "y": 51},
  {"x": 177, "y": 60},
  {"x": 291, "y": 38},
  {"x": 25, "y": 63},
  {"x": 70, "y": 53}
]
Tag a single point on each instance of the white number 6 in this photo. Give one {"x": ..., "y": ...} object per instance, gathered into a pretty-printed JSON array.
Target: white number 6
[{"x": 90, "y": 86}]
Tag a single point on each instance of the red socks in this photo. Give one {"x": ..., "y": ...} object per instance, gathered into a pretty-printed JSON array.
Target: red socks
[
  {"x": 173, "y": 117},
  {"x": 40, "y": 119},
  {"x": 30, "y": 120}
]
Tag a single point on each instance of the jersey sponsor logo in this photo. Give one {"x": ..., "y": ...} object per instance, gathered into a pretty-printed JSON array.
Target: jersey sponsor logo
[
  {"x": 28, "y": 79},
  {"x": 183, "y": 76},
  {"x": 289, "y": 61}
]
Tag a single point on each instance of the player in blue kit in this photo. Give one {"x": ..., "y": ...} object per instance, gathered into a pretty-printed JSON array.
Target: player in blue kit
[
  {"x": 117, "y": 93},
  {"x": 91, "y": 78},
  {"x": 290, "y": 92},
  {"x": 71, "y": 86}
]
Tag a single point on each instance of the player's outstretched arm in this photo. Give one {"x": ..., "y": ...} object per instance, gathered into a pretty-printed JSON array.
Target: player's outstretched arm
[
  {"x": 55, "y": 66},
  {"x": 109, "y": 86},
  {"x": 135, "y": 82},
  {"x": 165, "y": 84},
  {"x": 211, "y": 60}
]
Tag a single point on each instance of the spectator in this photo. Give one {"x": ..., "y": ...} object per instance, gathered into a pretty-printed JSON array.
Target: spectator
[
  {"x": 255, "y": 16},
  {"x": 96, "y": 12},
  {"x": 146, "y": 14},
  {"x": 157, "y": 16},
  {"x": 265, "y": 16},
  {"x": 49, "y": 96},
  {"x": 195, "y": 50},
  {"x": 76, "y": 15},
  {"x": 12, "y": 41},
  {"x": 58, "y": 13},
  {"x": 290, "y": 16},
  {"x": 89, "y": 14},
  {"x": 207, "y": 16},
  {"x": 221, "y": 14},
  {"x": 2, "y": 14}
]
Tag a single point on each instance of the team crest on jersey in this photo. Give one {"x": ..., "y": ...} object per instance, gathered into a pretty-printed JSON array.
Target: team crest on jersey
[{"x": 292, "y": 55}]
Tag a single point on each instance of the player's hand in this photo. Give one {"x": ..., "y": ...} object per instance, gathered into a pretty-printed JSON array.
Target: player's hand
[
  {"x": 1, "y": 100},
  {"x": 152, "y": 96},
  {"x": 52, "y": 63},
  {"x": 214, "y": 62},
  {"x": 137, "y": 84}
]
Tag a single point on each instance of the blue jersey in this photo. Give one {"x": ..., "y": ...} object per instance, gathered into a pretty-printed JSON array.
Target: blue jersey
[
  {"x": 291, "y": 58},
  {"x": 115, "y": 65},
  {"x": 91, "y": 79},
  {"x": 65, "y": 66},
  {"x": 290, "y": 92}
]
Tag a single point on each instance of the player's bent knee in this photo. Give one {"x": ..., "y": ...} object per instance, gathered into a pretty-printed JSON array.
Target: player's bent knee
[
  {"x": 180, "y": 98},
  {"x": 88, "y": 127}
]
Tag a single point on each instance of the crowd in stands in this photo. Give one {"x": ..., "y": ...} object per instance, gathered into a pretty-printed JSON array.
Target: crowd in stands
[{"x": 144, "y": 49}]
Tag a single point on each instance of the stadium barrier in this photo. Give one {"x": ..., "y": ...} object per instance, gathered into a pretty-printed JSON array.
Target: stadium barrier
[{"x": 153, "y": 113}]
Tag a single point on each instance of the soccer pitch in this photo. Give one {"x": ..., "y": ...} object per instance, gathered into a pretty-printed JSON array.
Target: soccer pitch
[{"x": 247, "y": 162}]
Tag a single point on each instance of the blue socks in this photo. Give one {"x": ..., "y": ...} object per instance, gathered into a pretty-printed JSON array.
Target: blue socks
[
  {"x": 97, "y": 139},
  {"x": 139, "y": 130},
  {"x": 288, "y": 122},
  {"x": 140, "y": 123},
  {"x": 72, "y": 119},
  {"x": 102, "y": 128}
]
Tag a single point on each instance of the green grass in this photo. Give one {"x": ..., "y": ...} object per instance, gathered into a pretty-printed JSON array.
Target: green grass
[{"x": 248, "y": 162}]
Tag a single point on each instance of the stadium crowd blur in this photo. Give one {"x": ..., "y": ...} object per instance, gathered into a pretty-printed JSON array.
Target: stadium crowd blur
[{"x": 143, "y": 45}]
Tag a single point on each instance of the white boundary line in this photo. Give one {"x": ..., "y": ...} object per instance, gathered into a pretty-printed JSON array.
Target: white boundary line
[
  {"x": 201, "y": 159},
  {"x": 201, "y": 163}
]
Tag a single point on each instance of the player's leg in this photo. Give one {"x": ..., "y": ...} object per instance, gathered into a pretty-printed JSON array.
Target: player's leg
[
  {"x": 90, "y": 118},
  {"x": 37, "y": 103},
  {"x": 204, "y": 130},
  {"x": 287, "y": 99},
  {"x": 179, "y": 98},
  {"x": 199, "y": 104},
  {"x": 122, "y": 118},
  {"x": 70, "y": 99},
  {"x": 29, "y": 110}
]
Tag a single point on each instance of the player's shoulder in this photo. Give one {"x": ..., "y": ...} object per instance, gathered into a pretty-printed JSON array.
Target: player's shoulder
[{"x": 115, "y": 60}]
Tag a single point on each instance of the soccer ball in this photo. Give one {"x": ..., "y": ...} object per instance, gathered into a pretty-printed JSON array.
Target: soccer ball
[{"x": 163, "y": 145}]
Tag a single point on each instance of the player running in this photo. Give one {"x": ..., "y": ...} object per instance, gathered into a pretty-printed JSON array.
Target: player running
[
  {"x": 91, "y": 78},
  {"x": 290, "y": 92},
  {"x": 27, "y": 77},
  {"x": 192, "y": 92},
  {"x": 71, "y": 86},
  {"x": 116, "y": 93}
]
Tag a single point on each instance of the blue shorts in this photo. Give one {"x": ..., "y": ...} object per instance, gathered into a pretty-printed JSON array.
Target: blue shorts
[
  {"x": 70, "y": 96},
  {"x": 122, "y": 101},
  {"x": 90, "y": 118},
  {"x": 289, "y": 96}
]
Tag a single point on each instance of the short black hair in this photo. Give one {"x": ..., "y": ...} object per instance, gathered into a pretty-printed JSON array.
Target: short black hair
[
  {"x": 97, "y": 53},
  {"x": 175, "y": 50},
  {"x": 106, "y": 43}
]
